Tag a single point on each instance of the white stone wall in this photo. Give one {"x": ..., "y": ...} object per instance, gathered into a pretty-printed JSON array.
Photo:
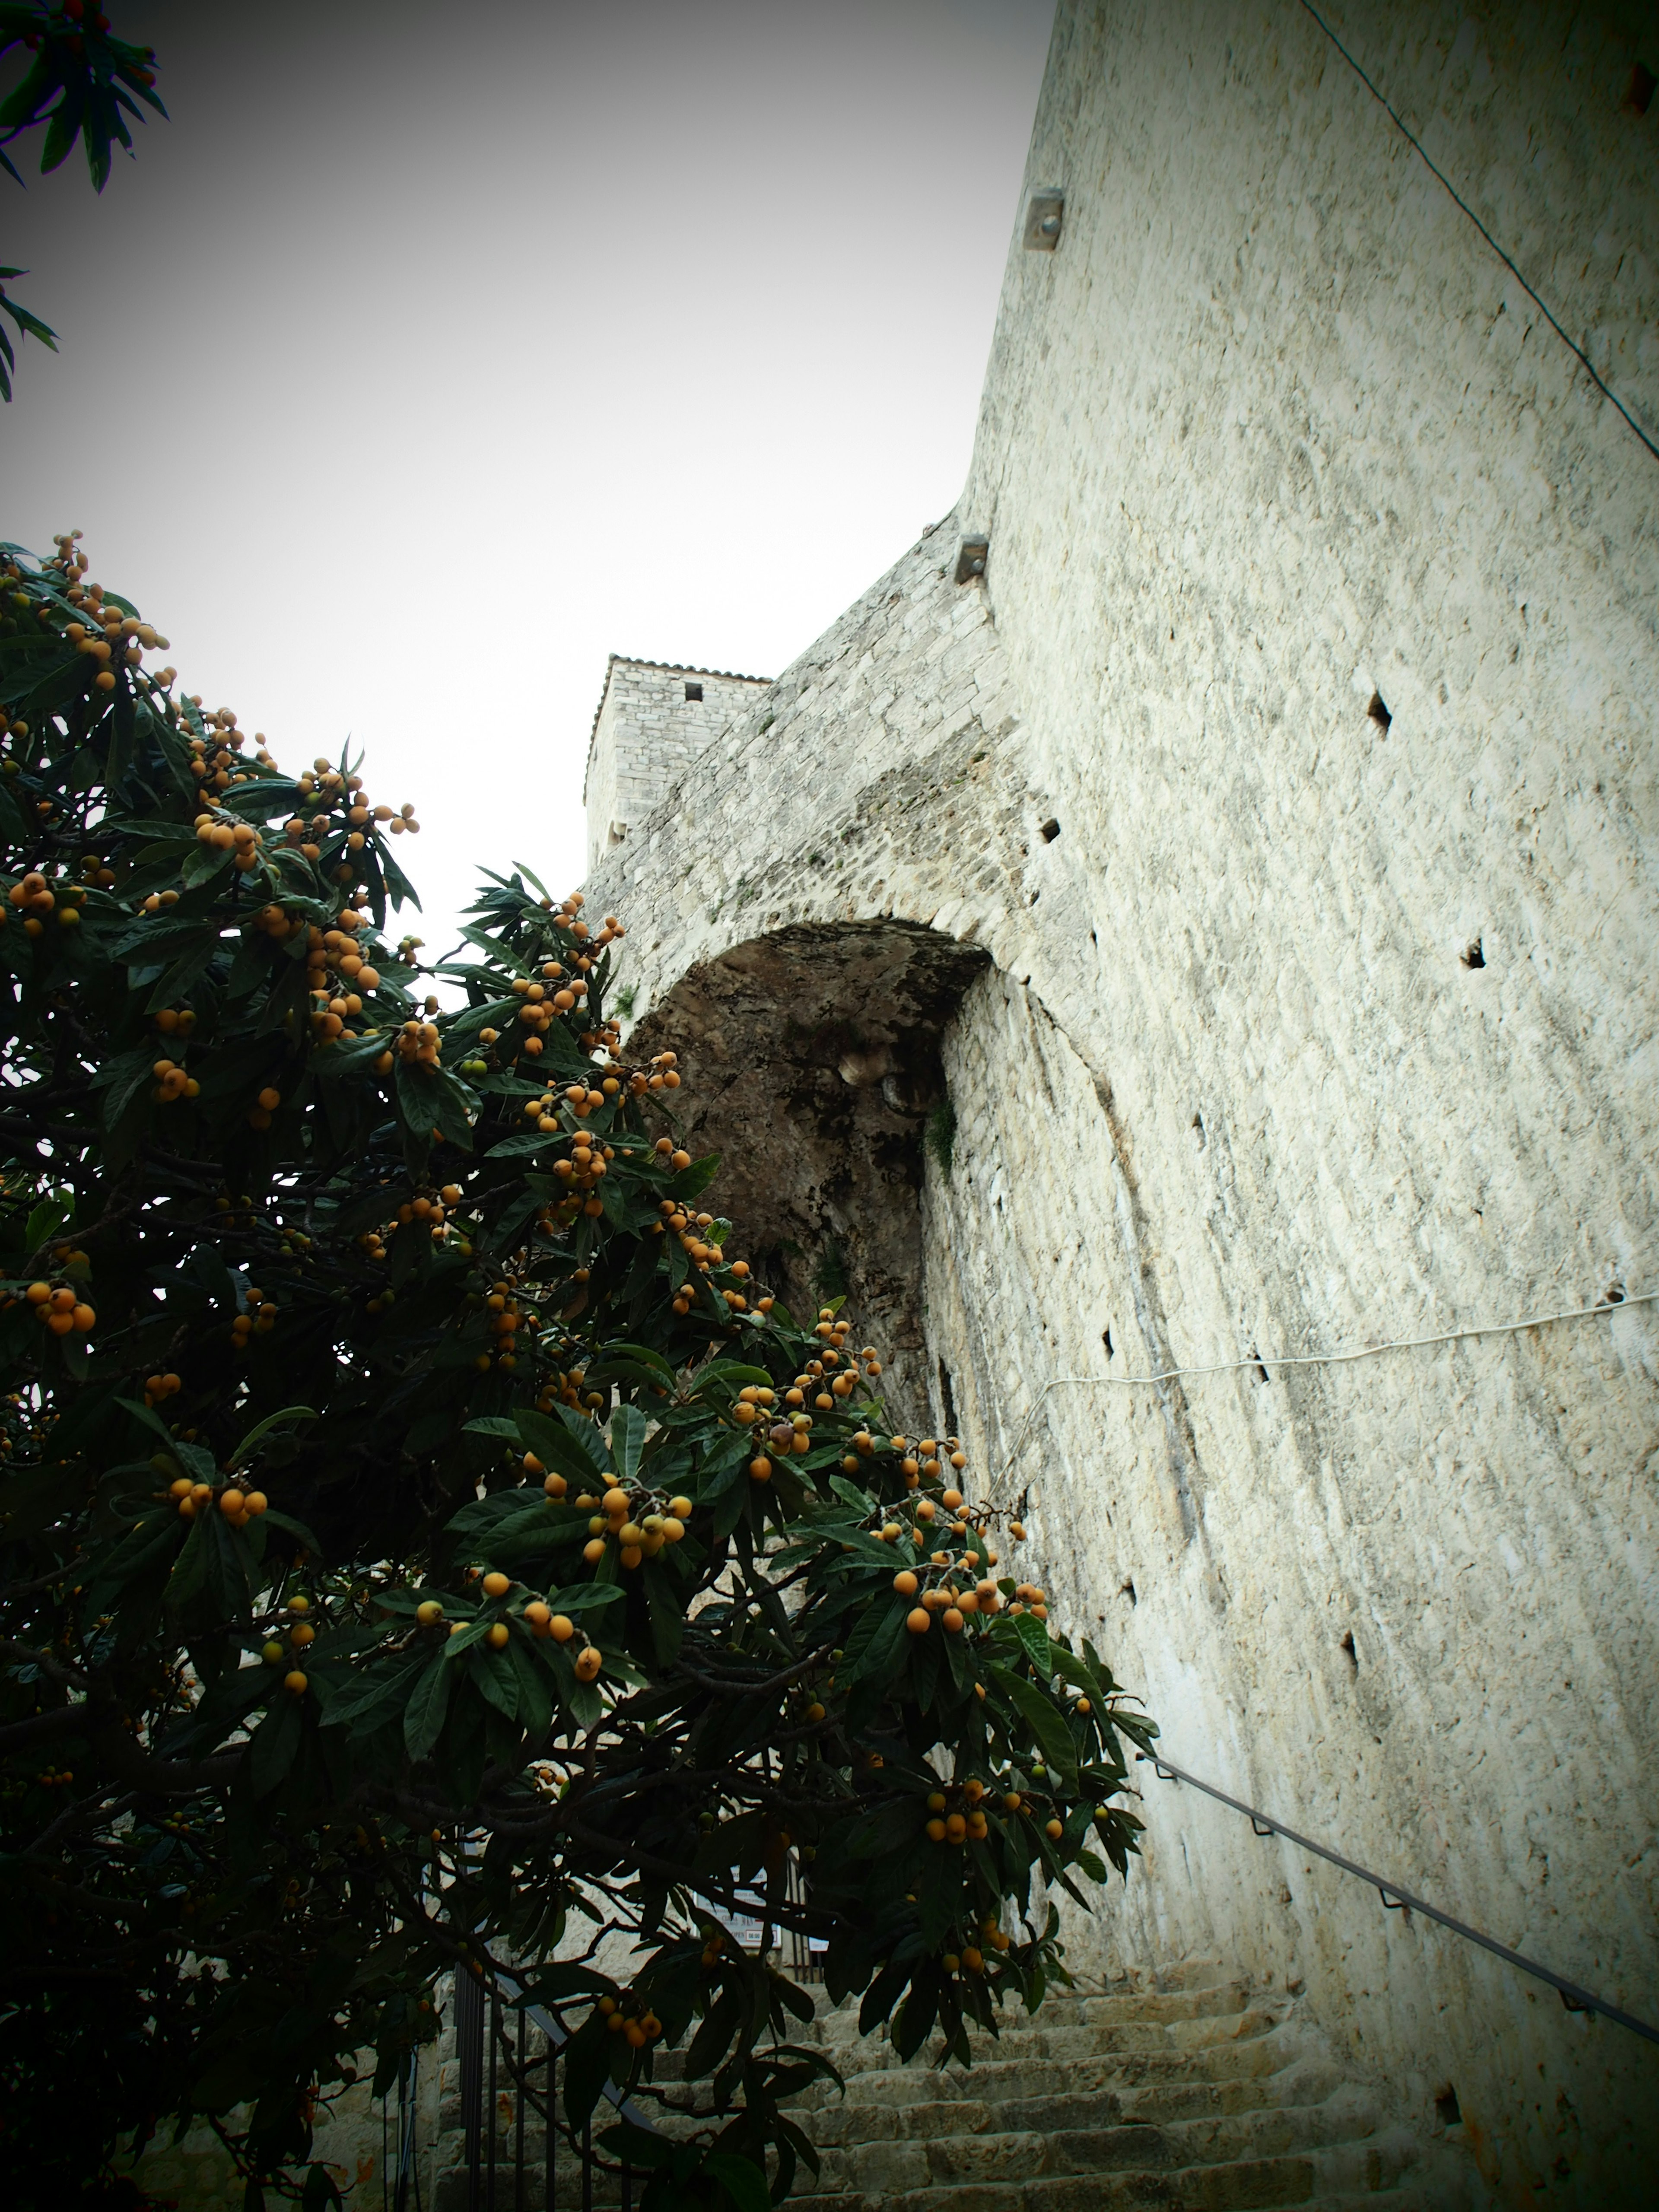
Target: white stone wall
[
  {"x": 645, "y": 735},
  {"x": 1274, "y": 430}
]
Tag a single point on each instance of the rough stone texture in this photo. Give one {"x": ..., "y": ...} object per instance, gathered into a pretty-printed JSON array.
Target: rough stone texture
[
  {"x": 832, "y": 1100},
  {"x": 648, "y": 731},
  {"x": 1273, "y": 433}
]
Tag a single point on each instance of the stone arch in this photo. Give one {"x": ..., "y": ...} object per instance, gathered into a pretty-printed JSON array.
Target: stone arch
[{"x": 812, "y": 1060}]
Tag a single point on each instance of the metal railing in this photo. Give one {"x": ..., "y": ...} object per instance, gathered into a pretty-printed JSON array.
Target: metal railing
[
  {"x": 1398, "y": 1899},
  {"x": 495, "y": 2060}
]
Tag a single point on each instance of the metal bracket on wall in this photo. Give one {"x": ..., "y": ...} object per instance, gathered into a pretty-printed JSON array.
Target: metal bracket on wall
[
  {"x": 970, "y": 560},
  {"x": 1044, "y": 214}
]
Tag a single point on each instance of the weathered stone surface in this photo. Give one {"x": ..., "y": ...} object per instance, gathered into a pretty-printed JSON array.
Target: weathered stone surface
[{"x": 1274, "y": 434}]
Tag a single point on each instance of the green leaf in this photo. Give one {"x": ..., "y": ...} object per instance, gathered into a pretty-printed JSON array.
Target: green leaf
[
  {"x": 1053, "y": 1736},
  {"x": 743, "y": 2181},
  {"x": 1038, "y": 1647},
  {"x": 692, "y": 1182},
  {"x": 290, "y": 1526},
  {"x": 240, "y": 1457},
  {"x": 553, "y": 1443},
  {"x": 517, "y": 1148},
  {"x": 429, "y": 1708},
  {"x": 321, "y": 2190},
  {"x": 274, "y": 1744},
  {"x": 628, "y": 1435},
  {"x": 874, "y": 1646},
  {"x": 431, "y": 1099}
]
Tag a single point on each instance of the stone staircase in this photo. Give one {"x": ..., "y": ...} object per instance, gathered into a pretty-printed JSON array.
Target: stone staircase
[
  {"x": 1194, "y": 2096},
  {"x": 1202, "y": 2098}
]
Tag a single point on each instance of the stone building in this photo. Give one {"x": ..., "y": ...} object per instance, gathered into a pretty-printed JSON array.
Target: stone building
[{"x": 1196, "y": 911}]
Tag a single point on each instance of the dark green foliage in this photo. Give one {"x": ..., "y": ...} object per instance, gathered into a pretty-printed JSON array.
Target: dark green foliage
[
  {"x": 393, "y": 1289},
  {"x": 79, "y": 88}
]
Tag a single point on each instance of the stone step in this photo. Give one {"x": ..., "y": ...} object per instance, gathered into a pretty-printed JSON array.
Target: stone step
[
  {"x": 1345, "y": 2176},
  {"x": 999, "y": 2079},
  {"x": 1077, "y": 2009},
  {"x": 1025, "y": 2119},
  {"x": 1187, "y": 2015},
  {"x": 874, "y": 2054},
  {"x": 1016, "y": 2158}
]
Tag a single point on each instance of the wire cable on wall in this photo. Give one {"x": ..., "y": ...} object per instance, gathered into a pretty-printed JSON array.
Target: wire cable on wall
[
  {"x": 1406, "y": 132},
  {"x": 1601, "y": 1310}
]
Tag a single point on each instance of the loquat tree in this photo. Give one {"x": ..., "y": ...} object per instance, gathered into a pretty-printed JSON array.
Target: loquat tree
[{"x": 423, "y": 1548}]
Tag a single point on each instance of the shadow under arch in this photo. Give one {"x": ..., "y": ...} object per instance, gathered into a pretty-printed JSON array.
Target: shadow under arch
[{"x": 811, "y": 1064}]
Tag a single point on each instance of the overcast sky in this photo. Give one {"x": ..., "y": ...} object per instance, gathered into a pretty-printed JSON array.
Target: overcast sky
[{"x": 429, "y": 355}]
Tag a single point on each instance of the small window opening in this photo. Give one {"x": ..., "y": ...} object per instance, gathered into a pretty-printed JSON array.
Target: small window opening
[
  {"x": 1106, "y": 1339},
  {"x": 1050, "y": 830},
  {"x": 1378, "y": 711},
  {"x": 693, "y": 690},
  {"x": 1446, "y": 2105},
  {"x": 1260, "y": 1369},
  {"x": 1614, "y": 1294},
  {"x": 1347, "y": 1645},
  {"x": 1473, "y": 955},
  {"x": 1128, "y": 1589},
  {"x": 1638, "y": 97}
]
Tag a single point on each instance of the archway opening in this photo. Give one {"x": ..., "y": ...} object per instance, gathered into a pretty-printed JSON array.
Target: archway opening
[{"x": 812, "y": 1060}]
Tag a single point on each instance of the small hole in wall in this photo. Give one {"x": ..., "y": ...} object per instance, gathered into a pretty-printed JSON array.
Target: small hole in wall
[
  {"x": 1094, "y": 940},
  {"x": 1614, "y": 1295},
  {"x": 1378, "y": 711},
  {"x": 693, "y": 690},
  {"x": 1260, "y": 1369},
  {"x": 1447, "y": 2108},
  {"x": 1106, "y": 1339},
  {"x": 1347, "y": 1645},
  {"x": 1128, "y": 1589},
  {"x": 1638, "y": 95},
  {"x": 1472, "y": 955},
  {"x": 1198, "y": 1130},
  {"x": 1050, "y": 830}
]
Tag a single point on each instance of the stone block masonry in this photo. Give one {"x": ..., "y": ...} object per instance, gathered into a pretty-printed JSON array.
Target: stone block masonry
[
  {"x": 1257, "y": 867},
  {"x": 653, "y": 722}
]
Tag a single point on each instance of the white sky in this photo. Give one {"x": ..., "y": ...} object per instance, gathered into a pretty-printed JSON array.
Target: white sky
[{"x": 427, "y": 357}]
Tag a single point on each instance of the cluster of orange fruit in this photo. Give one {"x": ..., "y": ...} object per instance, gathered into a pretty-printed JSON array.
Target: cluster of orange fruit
[
  {"x": 506, "y": 1320},
  {"x": 112, "y": 635},
  {"x": 61, "y": 1307},
  {"x": 971, "y": 1959},
  {"x": 639, "y": 2028},
  {"x": 704, "y": 1257},
  {"x": 257, "y": 1318},
  {"x": 828, "y": 1379},
  {"x": 36, "y": 897},
  {"x": 172, "y": 1081},
  {"x": 537, "y": 1616},
  {"x": 335, "y": 789},
  {"x": 301, "y": 1632},
  {"x": 640, "y": 1525},
  {"x": 968, "y": 1820},
  {"x": 238, "y": 1505},
  {"x": 238, "y": 837}
]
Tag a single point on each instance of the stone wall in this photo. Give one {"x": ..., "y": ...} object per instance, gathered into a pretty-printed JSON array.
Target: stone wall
[
  {"x": 653, "y": 722},
  {"x": 1289, "y": 772}
]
